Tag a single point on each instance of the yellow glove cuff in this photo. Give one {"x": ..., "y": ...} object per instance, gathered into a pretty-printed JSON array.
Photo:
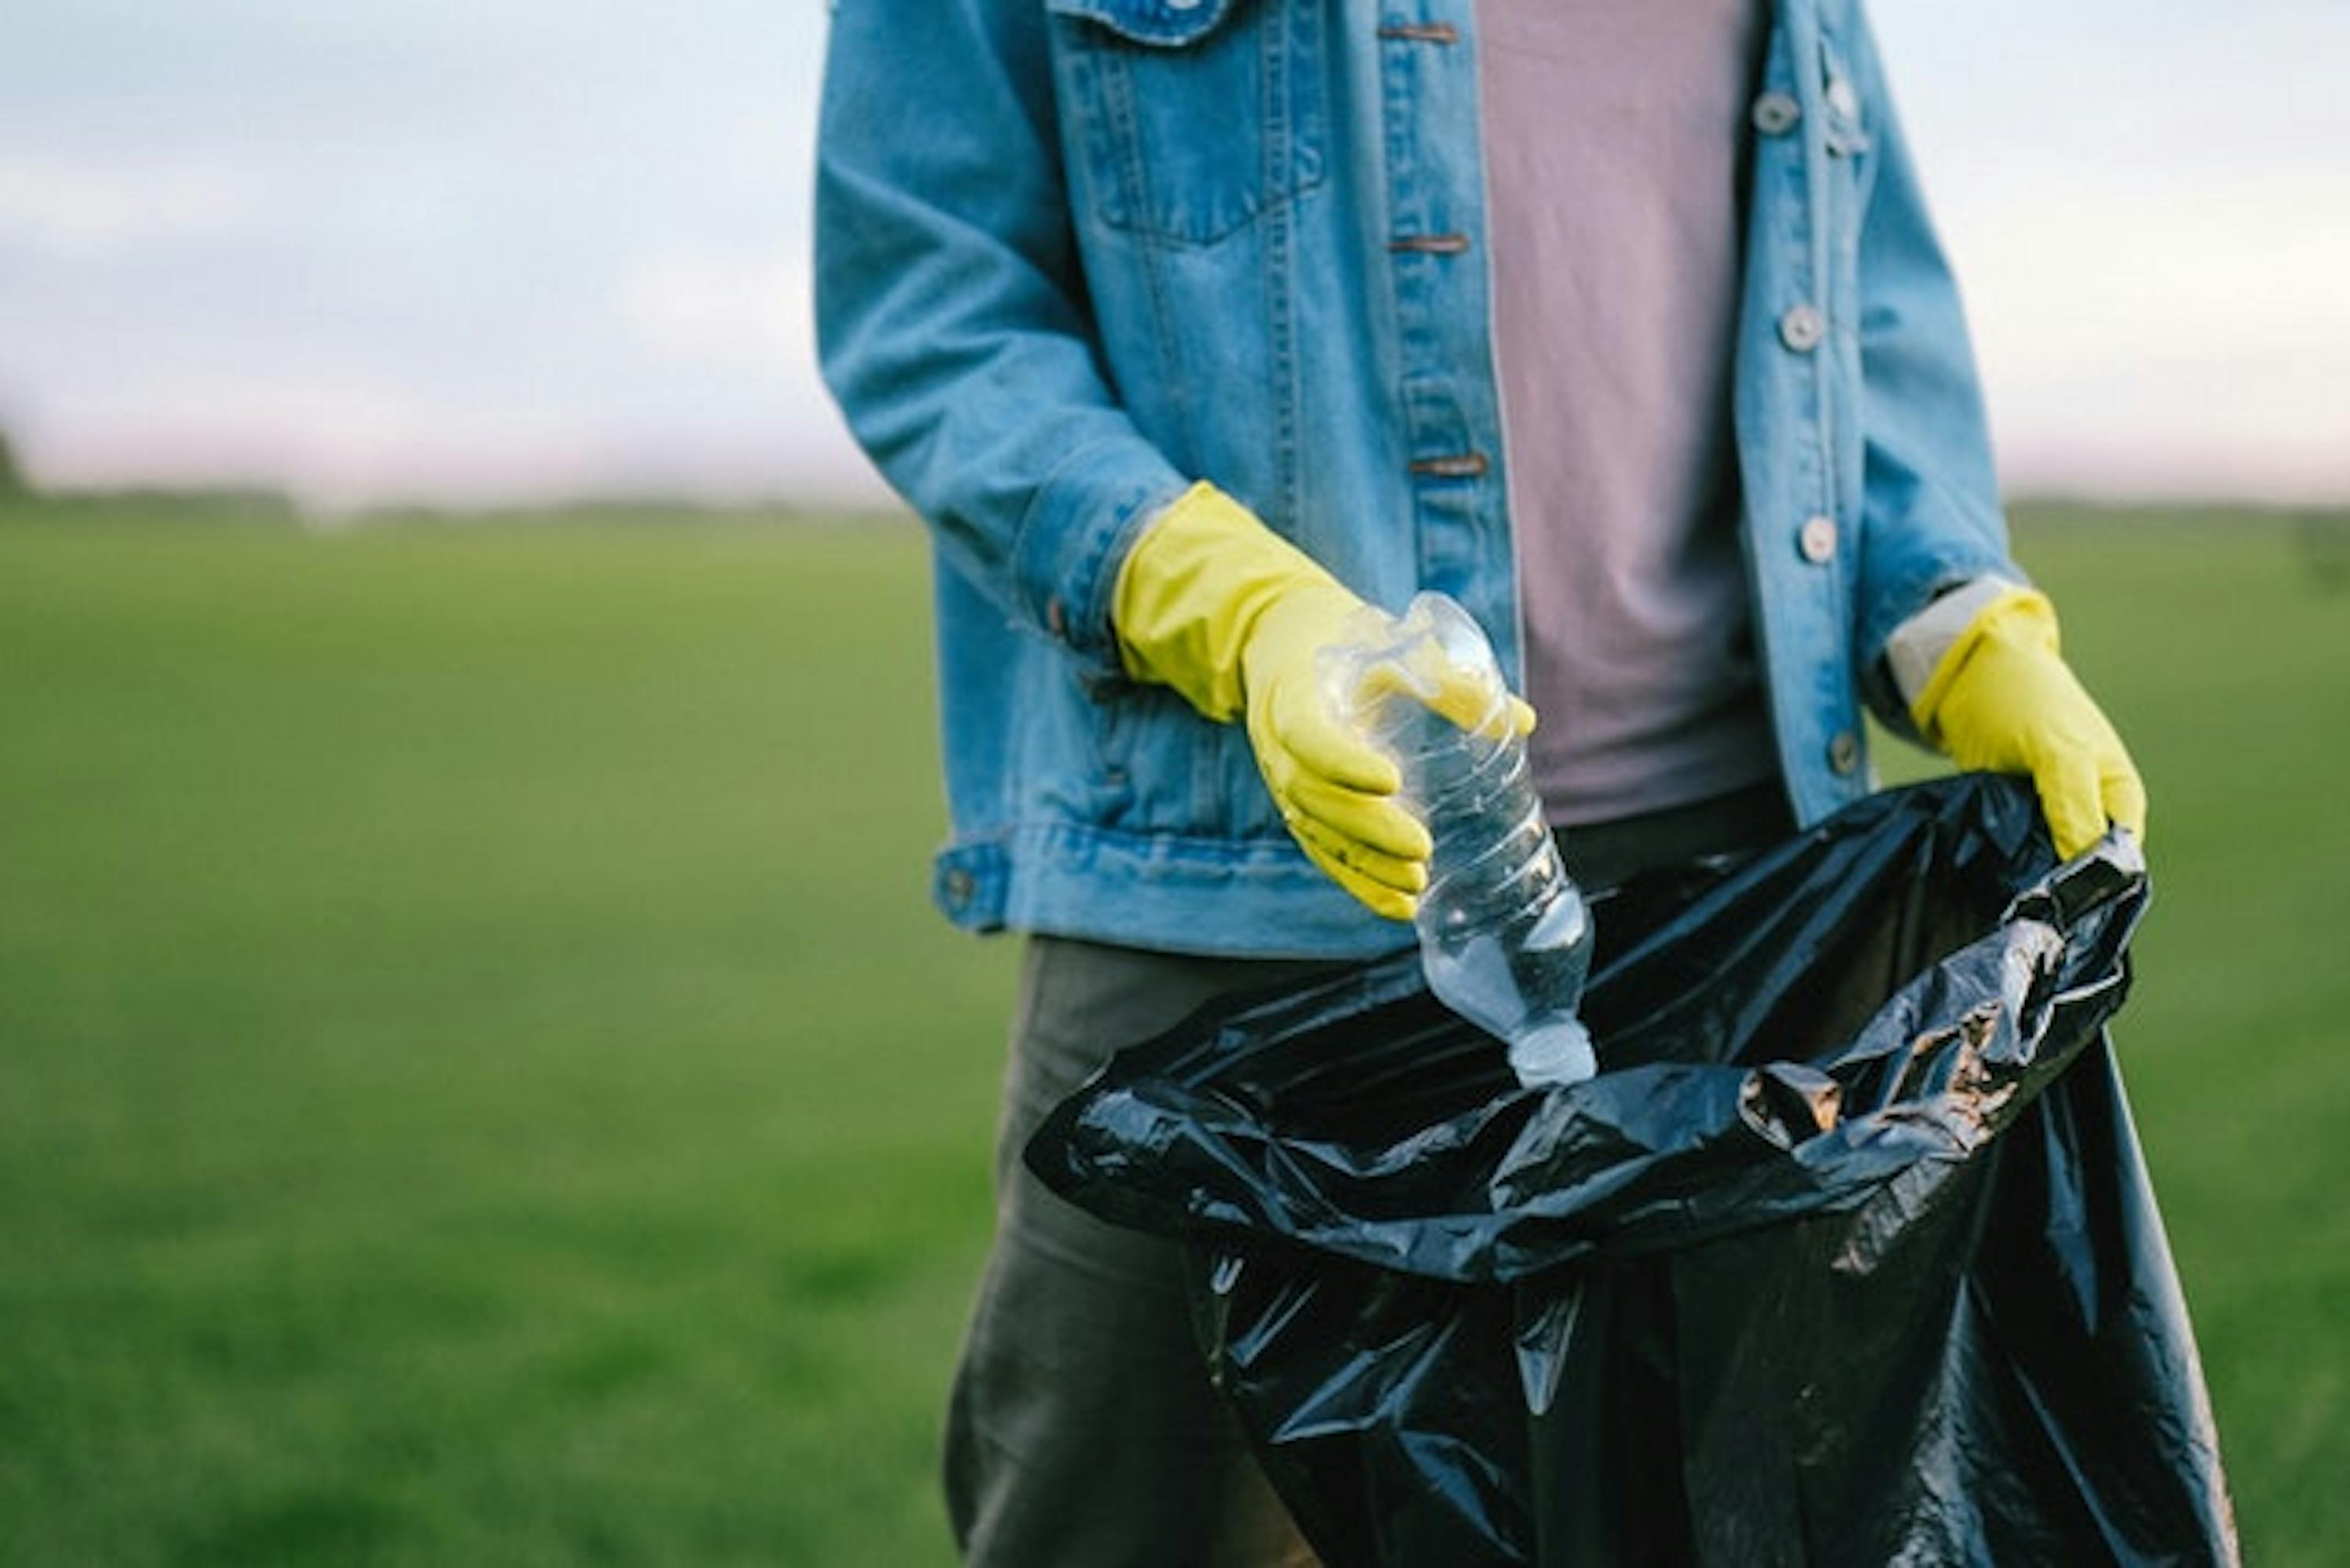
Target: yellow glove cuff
[
  {"x": 2019, "y": 617},
  {"x": 1190, "y": 590}
]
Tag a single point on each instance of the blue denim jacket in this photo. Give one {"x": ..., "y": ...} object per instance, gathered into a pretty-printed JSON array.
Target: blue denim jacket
[{"x": 1073, "y": 254}]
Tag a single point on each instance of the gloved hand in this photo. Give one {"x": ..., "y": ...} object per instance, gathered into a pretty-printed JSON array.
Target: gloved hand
[
  {"x": 2001, "y": 699},
  {"x": 1214, "y": 603}
]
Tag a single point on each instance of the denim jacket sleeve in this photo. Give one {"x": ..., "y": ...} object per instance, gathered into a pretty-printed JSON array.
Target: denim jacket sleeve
[
  {"x": 952, "y": 321},
  {"x": 1931, "y": 513}
]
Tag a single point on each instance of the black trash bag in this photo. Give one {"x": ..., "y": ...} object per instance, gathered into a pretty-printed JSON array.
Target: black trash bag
[{"x": 1849, "y": 1258}]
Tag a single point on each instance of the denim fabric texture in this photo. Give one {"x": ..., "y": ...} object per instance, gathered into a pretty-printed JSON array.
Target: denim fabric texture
[{"x": 1073, "y": 253}]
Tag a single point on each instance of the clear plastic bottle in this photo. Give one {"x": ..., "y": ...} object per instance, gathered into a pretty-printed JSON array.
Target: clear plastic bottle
[{"x": 1504, "y": 934}]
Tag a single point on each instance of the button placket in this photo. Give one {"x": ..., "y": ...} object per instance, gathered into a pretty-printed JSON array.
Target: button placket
[{"x": 1409, "y": 245}]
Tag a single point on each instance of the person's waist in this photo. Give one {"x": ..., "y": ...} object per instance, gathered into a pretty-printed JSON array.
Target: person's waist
[{"x": 1602, "y": 855}]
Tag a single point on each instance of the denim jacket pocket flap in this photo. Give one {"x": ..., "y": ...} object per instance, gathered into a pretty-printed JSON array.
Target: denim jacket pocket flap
[
  {"x": 1163, "y": 24},
  {"x": 1843, "y": 122}
]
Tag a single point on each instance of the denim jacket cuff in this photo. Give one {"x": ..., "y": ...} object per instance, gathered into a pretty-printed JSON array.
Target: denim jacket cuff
[
  {"x": 1078, "y": 528},
  {"x": 1899, "y": 613}
]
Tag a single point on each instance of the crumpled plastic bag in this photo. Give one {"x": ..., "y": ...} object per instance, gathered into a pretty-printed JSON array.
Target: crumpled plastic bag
[{"x": 1847, "y": 1257}]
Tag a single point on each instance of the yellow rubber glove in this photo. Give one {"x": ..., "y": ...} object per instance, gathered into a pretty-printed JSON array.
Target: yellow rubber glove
[
  {"x": 2001, "y": 699},
  {"x": 1216, "y": 605}
]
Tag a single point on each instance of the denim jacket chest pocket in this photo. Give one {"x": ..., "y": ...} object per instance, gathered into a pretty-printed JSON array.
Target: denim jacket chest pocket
[{"x": 1187, "y": 119}]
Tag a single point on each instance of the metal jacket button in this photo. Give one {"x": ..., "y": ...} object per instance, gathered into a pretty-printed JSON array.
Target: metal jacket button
[
  {"x": 1844, "y": 752},
  {"x": 1775, "y": 113},
  {"x": 1802, "y": 328},
  {"x": 1817, "y": 540}
]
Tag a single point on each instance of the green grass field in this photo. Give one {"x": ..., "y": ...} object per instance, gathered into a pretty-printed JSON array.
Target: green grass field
[{"x": 480, "y": 1083}]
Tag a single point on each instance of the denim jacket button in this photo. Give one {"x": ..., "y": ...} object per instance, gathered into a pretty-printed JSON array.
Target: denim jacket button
[
  {"x": 1844, "y": 752},
  {"x": 1802, "y": 328},
  {"x": 1775, "y": 113},
  {"x": 1816, "y": 539},
  {"x": 959, "y": 886}
]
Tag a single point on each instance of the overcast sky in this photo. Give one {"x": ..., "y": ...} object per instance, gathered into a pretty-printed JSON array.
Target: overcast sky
[{"x": 484, "y": 249}]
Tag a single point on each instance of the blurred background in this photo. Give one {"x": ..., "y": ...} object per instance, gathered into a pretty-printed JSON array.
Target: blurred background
[{"x": 479, "y": 1079}]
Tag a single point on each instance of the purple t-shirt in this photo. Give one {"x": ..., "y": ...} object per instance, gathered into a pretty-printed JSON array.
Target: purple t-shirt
[{"x": 1614, "y": 139}]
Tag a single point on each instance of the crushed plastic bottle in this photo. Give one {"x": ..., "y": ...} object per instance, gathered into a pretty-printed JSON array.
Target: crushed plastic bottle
[{"x": 1505, "y": 937}]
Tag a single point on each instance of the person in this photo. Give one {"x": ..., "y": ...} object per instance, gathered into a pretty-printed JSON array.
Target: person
[{"x": 1192, "y": 325}]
